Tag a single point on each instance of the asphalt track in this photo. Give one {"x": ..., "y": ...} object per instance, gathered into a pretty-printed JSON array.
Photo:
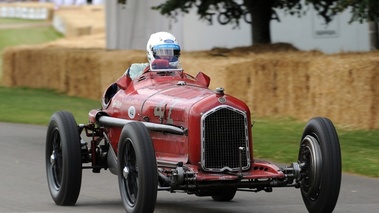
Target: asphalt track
[{"x": 23, "y": 186}]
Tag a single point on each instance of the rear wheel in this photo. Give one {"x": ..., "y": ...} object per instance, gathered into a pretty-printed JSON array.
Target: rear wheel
[
  {"x": 138, "y": 176},
  {"x": 63, "y": 159},
  {"x": 320, "y": 160}
]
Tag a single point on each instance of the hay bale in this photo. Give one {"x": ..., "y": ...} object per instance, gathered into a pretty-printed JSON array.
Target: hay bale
[
  {"x": 373, "y": 123},
  {"x": 74, "y": 21},
  {"x": 271, "y": 83},
  {"x": 215, "y": 67},
  {"x": 343, "y": 87},
  {"x": 303, "y": 85},
  {"x": 96, "y": 41},
  {"x": 34, "y": 67},
  {"x": 7, "y": 68},
  {"x": 113, "y": 64},
  {"x": 82, "y": 72}
]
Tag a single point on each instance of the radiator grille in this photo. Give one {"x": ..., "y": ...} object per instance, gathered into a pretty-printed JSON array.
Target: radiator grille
[{"x": 224, "y": 130}]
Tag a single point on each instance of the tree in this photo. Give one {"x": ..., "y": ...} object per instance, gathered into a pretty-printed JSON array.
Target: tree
[{"x": 259, "y": 13}]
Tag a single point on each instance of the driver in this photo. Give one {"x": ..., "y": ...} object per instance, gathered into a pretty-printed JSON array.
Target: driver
[{"x": 163, "y": 52}]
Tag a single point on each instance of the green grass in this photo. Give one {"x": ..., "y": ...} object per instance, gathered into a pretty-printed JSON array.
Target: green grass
[
  {"x": 360, "y": 151},
  {"x": 22, "y": 36},
  {"x": 35, "y": 106},
  {"x": 278, "y": 140},
  {"x": 7, "y": 21}
]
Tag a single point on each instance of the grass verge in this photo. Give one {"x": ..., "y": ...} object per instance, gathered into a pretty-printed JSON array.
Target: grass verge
[
  {"x": 8, "y": 21},
  {"x": 279, "y": 139},
  {"x": 35, "y": 106}
]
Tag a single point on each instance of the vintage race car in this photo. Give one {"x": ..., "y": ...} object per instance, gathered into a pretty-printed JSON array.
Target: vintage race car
[{"x": 162, "y": 129}]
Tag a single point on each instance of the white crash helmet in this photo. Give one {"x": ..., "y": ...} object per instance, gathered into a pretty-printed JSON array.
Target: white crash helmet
[{"x": 163, "y": 45}]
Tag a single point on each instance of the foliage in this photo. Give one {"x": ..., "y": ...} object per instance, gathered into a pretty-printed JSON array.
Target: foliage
[
  {"x": 367, "y": 10},
  {"x": 260, "y": 13},
  {"x": 235, "y": 9}
]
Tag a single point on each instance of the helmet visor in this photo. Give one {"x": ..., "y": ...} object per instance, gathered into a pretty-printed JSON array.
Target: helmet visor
[{"x": 170, "y": 52}]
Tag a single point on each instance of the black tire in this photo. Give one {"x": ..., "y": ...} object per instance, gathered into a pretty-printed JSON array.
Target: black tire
[
  {"x": 321, "y": 155},
  {"x": 224, "y": 195},
  {"x": 63, "y": 159},
  {"x": 138, "y": 176}
]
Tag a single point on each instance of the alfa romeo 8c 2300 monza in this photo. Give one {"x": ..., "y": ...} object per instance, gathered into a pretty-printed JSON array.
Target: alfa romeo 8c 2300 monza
[{"x": 164, "y": 130}]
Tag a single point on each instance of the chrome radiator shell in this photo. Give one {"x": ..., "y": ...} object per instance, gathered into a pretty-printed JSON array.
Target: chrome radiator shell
[{"x": 224, "y": 139}]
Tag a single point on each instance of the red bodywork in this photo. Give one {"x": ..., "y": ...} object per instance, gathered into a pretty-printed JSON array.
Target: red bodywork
[
  {"x": 178, "y": 99},
  {"x": 165, "y": 130}
]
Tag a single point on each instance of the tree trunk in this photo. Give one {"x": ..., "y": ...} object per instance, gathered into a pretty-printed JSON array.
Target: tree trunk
[
  {"x": 261, "y": 12},
  {"x": 373, "y": 31}
]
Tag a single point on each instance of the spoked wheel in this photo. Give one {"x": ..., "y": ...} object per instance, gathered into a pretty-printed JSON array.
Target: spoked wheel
[
  {"x": 63, "y": 159},
  {"x": 224, "y": 195},
  {"x": 320, "y": 160},
  {"x": 138, "y": 176}
]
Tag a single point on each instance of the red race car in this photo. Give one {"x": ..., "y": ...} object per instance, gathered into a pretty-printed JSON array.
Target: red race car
[{"x": 163, "y": 129}]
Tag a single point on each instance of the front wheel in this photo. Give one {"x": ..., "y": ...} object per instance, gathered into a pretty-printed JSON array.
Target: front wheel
[
  {"x": 320, "y": 160},
  {"x": 137, "y": 174},
  {"x": 63, "y": 159}
]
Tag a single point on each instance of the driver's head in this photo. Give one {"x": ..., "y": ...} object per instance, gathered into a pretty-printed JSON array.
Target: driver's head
[{"x": 163, "y": 45}]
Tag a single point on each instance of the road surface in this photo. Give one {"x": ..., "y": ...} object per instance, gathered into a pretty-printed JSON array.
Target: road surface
[{"x": 23, "y": 186}]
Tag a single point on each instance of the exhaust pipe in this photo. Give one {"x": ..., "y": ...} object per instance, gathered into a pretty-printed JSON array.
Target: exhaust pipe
[{"x": 118, "y": 122}]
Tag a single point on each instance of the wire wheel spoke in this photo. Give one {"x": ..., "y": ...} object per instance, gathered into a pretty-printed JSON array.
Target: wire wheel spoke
[
  {"x": 306, "y": 158},
  {"x": 131, "y": 178},
  {"x": 137, "y": 171},
  {"x": 56, "y": 159}
]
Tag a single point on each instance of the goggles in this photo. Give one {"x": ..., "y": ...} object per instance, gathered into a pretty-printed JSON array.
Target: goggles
[{"x": 170, "y": 52}]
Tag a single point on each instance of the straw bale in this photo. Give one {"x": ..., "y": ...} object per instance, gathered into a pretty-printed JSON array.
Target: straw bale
[
  {"x": 7, "y": 68},
  {"x": 96, "y": 41},
  {"x": 33, "y": 67},
  {"x": 93, "y": 8},
  {"x": 302, "y": 85},
  {"x": 77, "y": 28},
  {"x": 271, "y": 83},
  {"x": 343, "y": 87},
  {"x": 82, "y": 71},
  {"x": 374, "y": 121},
  {"x": 292, "y": 84},
  {"x": 215, "y": 67},
  {"x": 113, "y": 64},
  {"x": 83, "y": 20}
]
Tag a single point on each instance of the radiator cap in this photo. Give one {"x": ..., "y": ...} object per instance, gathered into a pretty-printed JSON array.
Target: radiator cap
[{"x": 220, "y": 91}]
